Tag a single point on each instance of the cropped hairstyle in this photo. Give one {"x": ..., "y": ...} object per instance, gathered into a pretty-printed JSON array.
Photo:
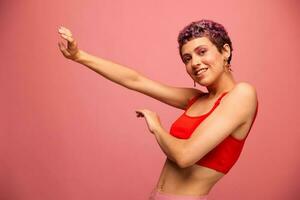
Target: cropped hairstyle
[{"x": 214, "y": 31}]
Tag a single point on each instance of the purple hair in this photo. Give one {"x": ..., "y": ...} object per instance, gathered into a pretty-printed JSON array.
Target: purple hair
[{"x": 215, "y": 32}]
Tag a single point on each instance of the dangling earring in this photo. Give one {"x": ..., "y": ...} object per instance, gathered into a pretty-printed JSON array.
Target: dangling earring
[
  {"x": 228, "y": 65},
  {"x": 194, "y": 84}
]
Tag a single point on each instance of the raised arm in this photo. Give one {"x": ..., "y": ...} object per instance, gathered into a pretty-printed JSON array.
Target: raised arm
[{"x": 125, "y": 76}]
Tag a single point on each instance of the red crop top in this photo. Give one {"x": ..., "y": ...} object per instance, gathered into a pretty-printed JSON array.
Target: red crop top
[{"x": 223, "y": 156}]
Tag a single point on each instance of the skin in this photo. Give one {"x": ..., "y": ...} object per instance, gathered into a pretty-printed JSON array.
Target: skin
[
  {"x": 183, "y": 177},
  {"x": 234, "y": 115},
  {"x": 201, "y": 52}
]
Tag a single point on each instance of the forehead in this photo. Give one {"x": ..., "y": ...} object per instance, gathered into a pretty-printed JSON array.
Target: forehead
[{"x": 188, "y": 47}]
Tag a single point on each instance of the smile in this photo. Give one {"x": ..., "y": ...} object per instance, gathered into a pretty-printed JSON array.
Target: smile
[{"x": 201, "y": 71}]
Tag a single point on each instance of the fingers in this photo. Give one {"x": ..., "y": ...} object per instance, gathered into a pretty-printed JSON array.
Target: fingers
[
  {"x": 63, "y": 49},
  {"x": 66, "y": 34},
  {"x": 65, "y": 31},
  {"x": 68, "y": 38},
  {"x": 139, "y": 113}
]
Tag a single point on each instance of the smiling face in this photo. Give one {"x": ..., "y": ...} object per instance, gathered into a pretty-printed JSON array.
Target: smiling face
[{"x": 200, "y": 53}]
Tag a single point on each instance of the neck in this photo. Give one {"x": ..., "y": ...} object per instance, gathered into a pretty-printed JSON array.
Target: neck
[{"x": 223, "y": 84}]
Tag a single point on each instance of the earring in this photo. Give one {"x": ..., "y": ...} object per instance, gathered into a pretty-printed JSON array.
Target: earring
[
  {"x": 194, "y": 84},
  {"x": 227, "y": 65}
]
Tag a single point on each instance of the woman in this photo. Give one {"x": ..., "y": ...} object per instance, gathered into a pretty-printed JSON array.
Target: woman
[{"x": 207, "y": 139}]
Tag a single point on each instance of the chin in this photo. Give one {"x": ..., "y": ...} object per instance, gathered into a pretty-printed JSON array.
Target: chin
[{"x": 204, "y": 82}]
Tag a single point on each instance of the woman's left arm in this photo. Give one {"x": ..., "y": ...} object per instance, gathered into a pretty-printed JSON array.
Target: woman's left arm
[
  {"x": 171, "y": 146},
  {"x": 232, "y": 112}
]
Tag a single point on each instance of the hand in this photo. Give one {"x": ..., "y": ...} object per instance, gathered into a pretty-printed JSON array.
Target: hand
[
  {"x": 152, "y": 119},
  {"x": 72, "y": 51}
]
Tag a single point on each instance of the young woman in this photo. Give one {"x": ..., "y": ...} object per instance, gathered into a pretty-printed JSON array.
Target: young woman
[{"x": 206, "y": 140}]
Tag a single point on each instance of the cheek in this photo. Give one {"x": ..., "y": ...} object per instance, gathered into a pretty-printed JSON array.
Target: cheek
[
  {"x": 211, "y": 60},
  {"x": 188, "y": 69},
  {"x": 208, "y": 62}
]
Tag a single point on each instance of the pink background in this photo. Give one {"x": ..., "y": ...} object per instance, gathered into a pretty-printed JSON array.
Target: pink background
[{"x": 69, "y": 134}]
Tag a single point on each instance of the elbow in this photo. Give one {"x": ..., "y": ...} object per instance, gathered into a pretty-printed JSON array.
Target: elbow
[
  {"x": 183, "y": 161},
  {"x": 133, "y": 82}
]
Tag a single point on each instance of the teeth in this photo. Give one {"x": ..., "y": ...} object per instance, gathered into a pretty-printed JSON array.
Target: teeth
[{"x": 204, "y": 69}]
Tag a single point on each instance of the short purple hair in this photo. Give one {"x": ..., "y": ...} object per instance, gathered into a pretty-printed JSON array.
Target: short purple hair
[{"x": 214, "y": 31}]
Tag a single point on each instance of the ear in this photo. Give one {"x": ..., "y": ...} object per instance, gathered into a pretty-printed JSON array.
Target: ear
[{"x": 226, "y": 50}]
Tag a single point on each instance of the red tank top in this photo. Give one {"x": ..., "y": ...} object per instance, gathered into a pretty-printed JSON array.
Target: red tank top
[{"x": 224, "y": 155}]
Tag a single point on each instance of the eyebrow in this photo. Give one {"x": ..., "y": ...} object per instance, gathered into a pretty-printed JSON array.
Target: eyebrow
[{"x": 195, "y": 49}]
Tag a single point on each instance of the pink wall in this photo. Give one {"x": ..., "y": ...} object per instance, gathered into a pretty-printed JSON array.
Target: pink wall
[{"x": 69, "y": 134}]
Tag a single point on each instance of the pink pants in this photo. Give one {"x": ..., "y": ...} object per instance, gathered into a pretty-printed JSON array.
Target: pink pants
[{"x": 157, "y": 195}]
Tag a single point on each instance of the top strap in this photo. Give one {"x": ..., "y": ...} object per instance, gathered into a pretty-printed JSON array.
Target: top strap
[
  {"x": 191, "y": 101},
  {"x": 220, "y": 98}
]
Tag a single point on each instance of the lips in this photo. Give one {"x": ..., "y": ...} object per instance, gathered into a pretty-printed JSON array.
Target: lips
[{"x": 201, "y": 71}]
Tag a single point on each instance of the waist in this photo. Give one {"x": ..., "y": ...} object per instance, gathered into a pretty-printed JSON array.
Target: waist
[
  {"x": 194, "y": 180},
  {"x": 177, "y": 195}
]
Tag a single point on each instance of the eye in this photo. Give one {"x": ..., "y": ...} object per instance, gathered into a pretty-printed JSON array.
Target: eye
[
  {"x": 201, "y": 52},
  {"x": 186, "y": 59}
]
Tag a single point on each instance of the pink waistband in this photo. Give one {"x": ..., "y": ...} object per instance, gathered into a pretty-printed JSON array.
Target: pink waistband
[{"x": 158, "y": 195}]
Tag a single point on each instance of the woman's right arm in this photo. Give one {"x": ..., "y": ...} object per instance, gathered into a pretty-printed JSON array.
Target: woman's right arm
[
  {"x": 127, "y": 77},
  {"x": 112, "y": 71}
]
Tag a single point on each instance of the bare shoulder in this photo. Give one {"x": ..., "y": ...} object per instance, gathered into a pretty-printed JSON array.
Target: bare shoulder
[
  {"x": 247, "y": 89},
  {"x": 244, "y": 96}
]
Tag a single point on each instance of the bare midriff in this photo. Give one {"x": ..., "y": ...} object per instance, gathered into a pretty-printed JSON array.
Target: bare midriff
[{"x": 194, "y": 180}]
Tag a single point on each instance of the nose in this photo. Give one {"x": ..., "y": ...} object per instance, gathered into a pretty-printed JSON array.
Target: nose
[{"x": 195, "y": 61}]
